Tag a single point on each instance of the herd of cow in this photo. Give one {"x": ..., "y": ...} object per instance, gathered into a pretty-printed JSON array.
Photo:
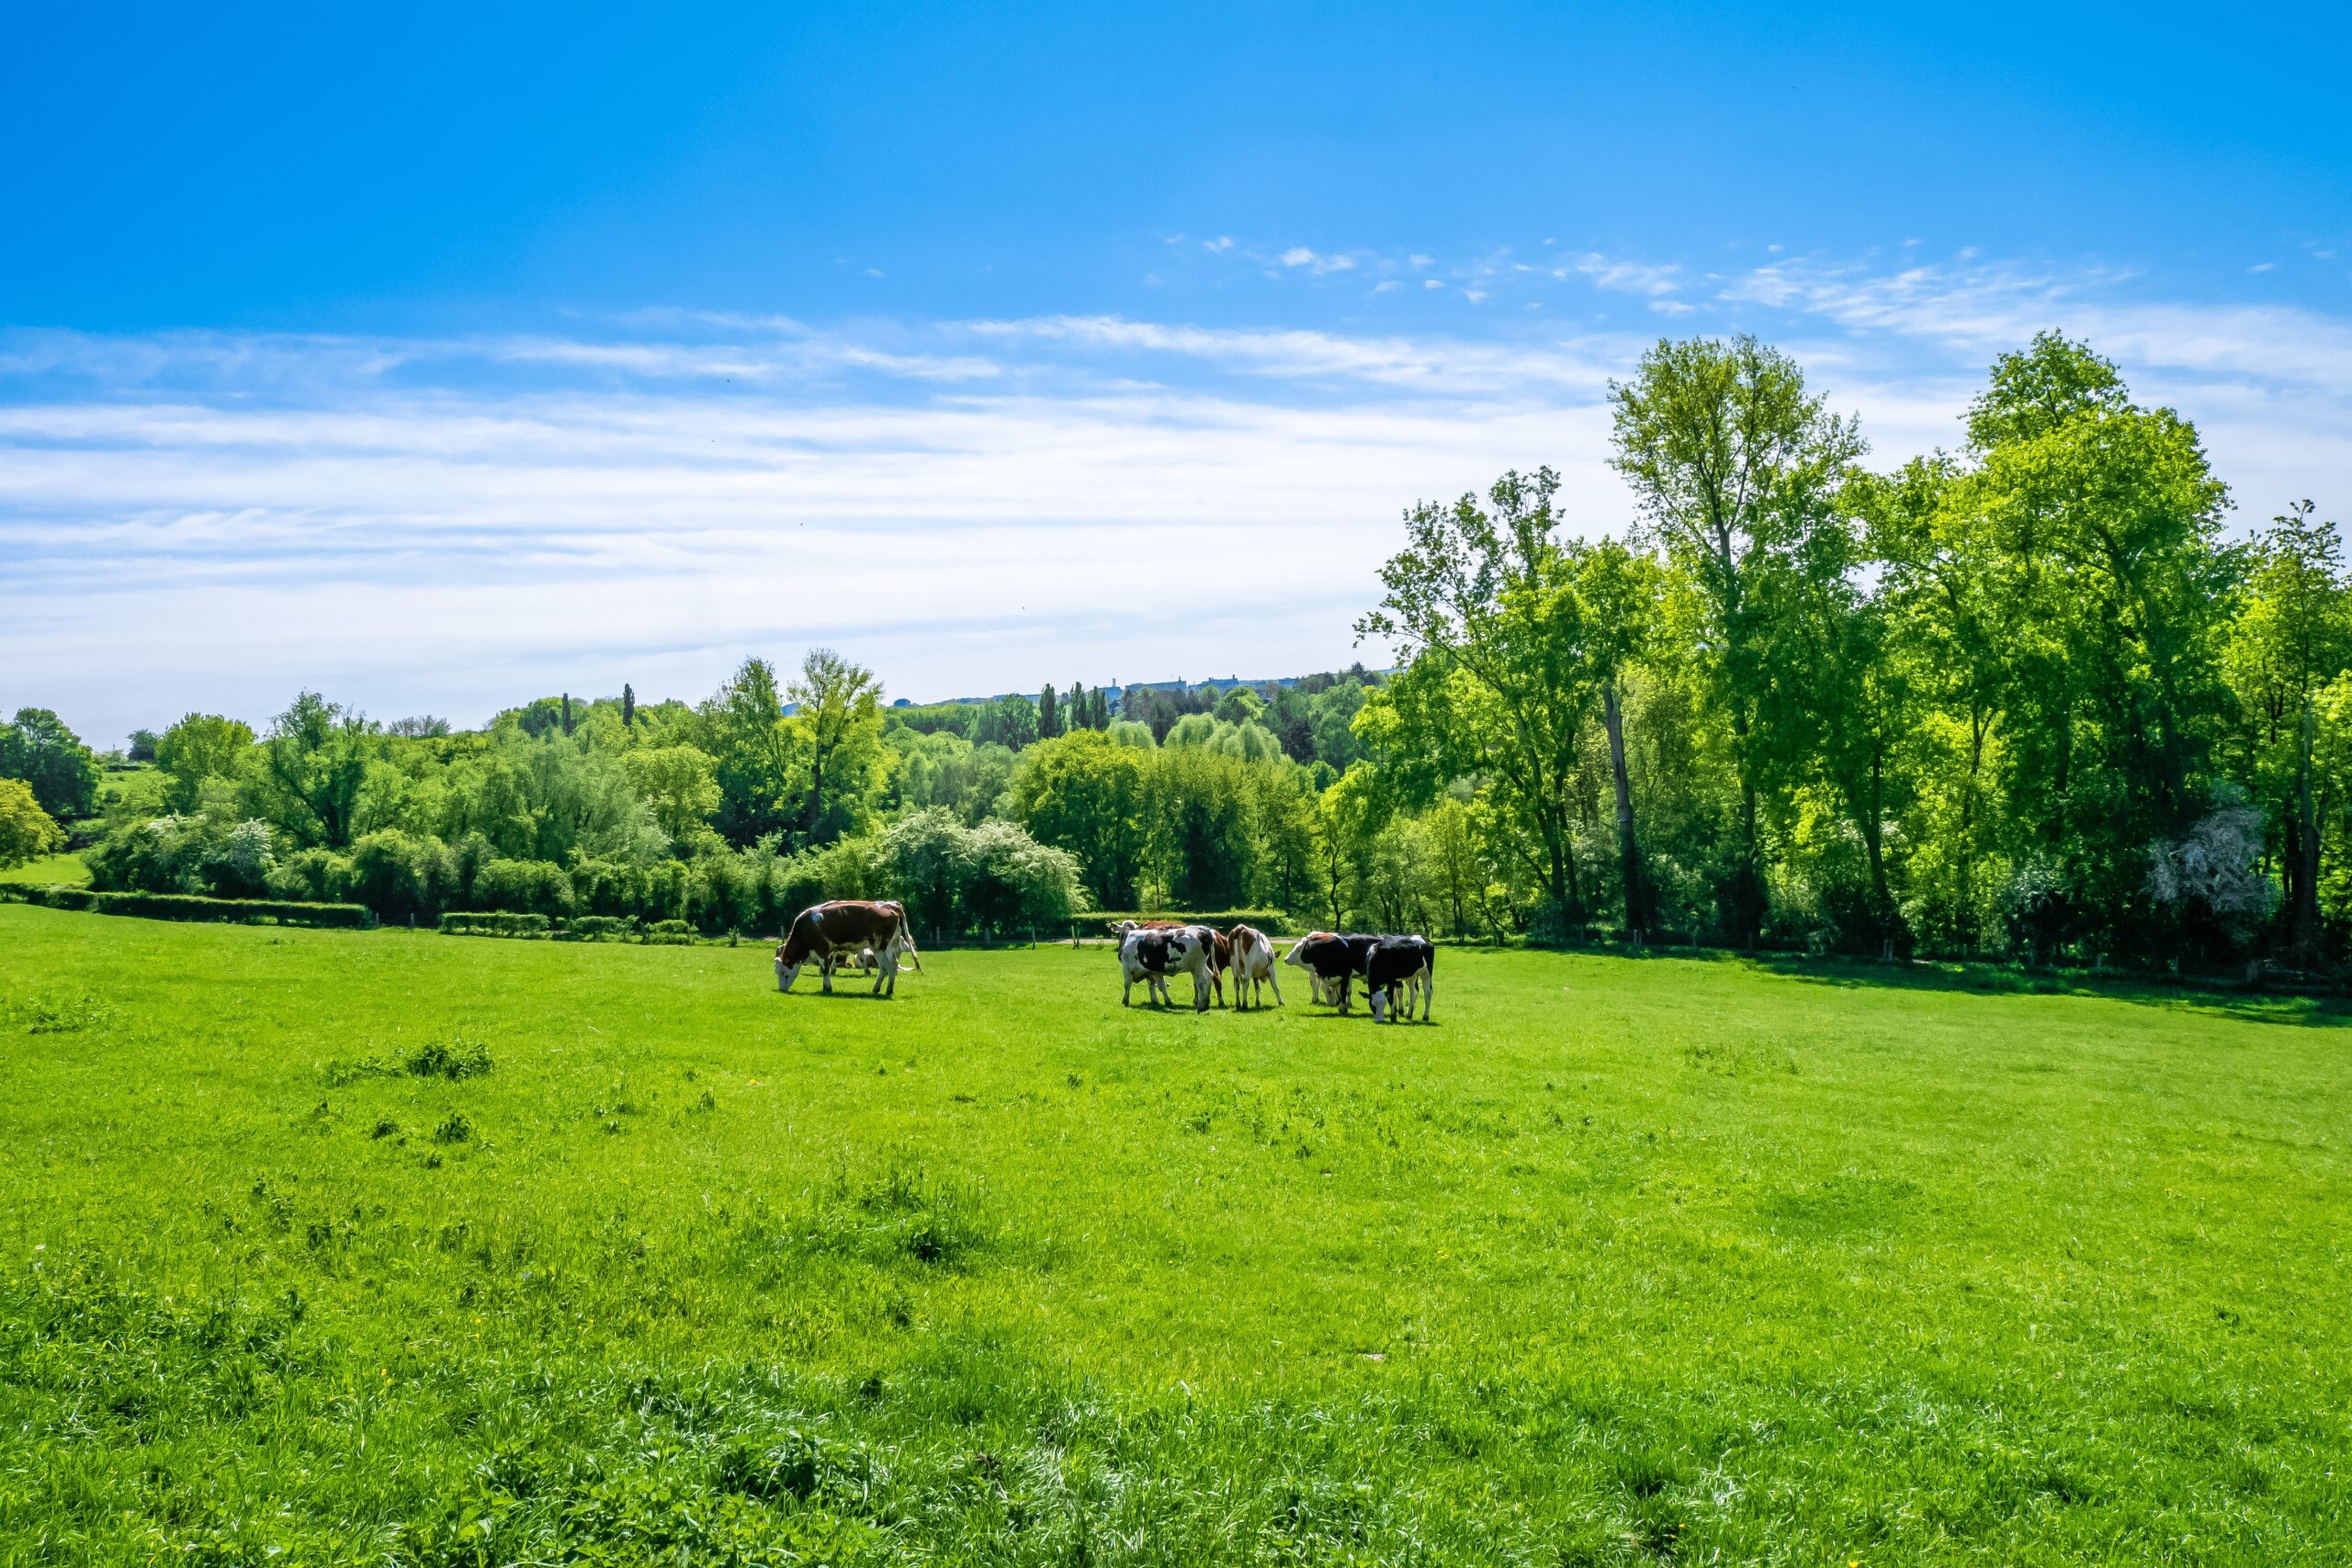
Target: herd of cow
[{"x": 874, "y": 936}]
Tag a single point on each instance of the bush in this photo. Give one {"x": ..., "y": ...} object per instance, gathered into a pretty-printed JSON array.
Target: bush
[
  {"x": 190, "y": 907},
  {"x": 400, "y": 877},
  {"x": 524, "y": 886},
  {"x": 599, "y": 928},
  {"x": 311, "y": 875},
  {"x": 674, "y": 933},
  {"x": 456, "y": 1057},
  {"x": 496, "y": 924}
]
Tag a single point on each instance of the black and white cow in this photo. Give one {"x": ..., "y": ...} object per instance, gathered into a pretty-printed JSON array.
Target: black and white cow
[
  {"x": 1395, "y": 963},
  {"x": 1333, "y": 961},
  {"x": 1153, "y": 953}
]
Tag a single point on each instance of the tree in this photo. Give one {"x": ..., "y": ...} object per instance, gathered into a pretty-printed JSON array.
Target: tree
[
  {"x": 27, "y": 832},
  {"x": 201, "y": 746},
  {"x": 1617, "y": 593},
  {"x": 142, "y": 746},
  {"x": 315, "y": 764},
  {"x": 2102, "y": 521},
  {"x": 757, "y": 770},
  {"x": 837, "y": 726},
  {"x": 1724, "y": 448},
  {"x": 679, "y": 784},
  {"x": 2293, "y": 636},
  {"x": 1048, "y": 713},
  {"x": 39, "y": 749},
  {"x": 1499, "y": 676},
  {"x": 1090, "y": 795},
  {"x": 628, "y": 705}
]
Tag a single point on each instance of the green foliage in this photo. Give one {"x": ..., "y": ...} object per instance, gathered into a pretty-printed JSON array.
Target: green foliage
[
  {"x": 27, "y": 832},
  {"x": 37, "y": 748},
  {"x": 192, "y": 907},
  {"x": 198, "y": 748}
]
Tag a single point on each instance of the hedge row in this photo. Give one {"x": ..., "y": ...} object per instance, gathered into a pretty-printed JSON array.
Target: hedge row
[
  {"x": 532, "y": 926},
  {"x": 189, "y": 906},
  {"x": 1098, "y": 922},
  {"x": 580, "y": 928}
]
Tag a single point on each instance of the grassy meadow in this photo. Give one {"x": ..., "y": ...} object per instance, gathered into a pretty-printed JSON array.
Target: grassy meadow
[
  {"x": 63, "y": 871},
  {"x": 394, "y": 1248}
]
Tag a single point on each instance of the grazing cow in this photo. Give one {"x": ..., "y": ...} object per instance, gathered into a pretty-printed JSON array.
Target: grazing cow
[
  {"x": 843, "y": 932},
  {"x": 1253, "y": 965},
  {"x": 1220, "y": 954},
  {"x": 1152, "y": 954},
  {"x": 1319, "y": 988},
  {"x": 1335, "y": 961},
  {"x": 1401, "y": 963}
]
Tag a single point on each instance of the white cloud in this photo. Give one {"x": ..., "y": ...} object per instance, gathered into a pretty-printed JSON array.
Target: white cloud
[
  {"x": 217, "y": 519},
  {"x": 1628, "y": 277},
  {"x": 1300, "y": 257}
]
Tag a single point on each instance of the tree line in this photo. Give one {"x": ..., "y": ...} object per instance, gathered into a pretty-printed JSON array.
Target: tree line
[{"x": 2022, "y": 697}]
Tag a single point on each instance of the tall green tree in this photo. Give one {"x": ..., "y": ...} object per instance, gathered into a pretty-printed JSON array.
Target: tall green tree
[
  {"x": 201, "y": 746},
  {"x": 758, "y": 772},
  {"x": 837, "y": 726},
  {"x": 313, "y": 765},
  {"x": 2291, "y": 638},
  {"x": 1500, "y": 676},
  {"x": 1726, "y": 452},
  {"x": 37, "y": 748},
  {"x": 1091, "y": 795},
  {"x": 2104, "y": 522}
]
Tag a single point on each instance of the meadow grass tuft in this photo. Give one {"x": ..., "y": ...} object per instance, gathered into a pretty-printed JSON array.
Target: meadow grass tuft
[{"x": 1614, "y": 1262}]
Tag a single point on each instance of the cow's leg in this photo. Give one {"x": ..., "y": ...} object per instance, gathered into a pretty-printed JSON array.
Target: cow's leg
[
  {"x": 1274, "y": 979},
  {"x": 825, "y": 970},
  {"x": 886, "y": 975},
  {"x": 1127, "y": 992}
]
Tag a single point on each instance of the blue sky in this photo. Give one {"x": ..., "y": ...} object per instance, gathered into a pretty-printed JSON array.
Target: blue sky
[{"x": 437, "y": 359}]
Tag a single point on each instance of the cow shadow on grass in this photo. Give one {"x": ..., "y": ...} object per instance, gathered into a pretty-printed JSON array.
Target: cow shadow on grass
[{"x": 2304, "y": 1010}]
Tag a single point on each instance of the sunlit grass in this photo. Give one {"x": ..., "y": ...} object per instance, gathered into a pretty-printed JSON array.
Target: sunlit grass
[
  {"x": 64, "y": 871},
  {"x": 1614, "y": 1261}
]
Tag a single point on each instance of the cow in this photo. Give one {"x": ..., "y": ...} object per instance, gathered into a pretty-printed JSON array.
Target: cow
[
  {"x": 1401, "y": 963},
  {"x": 1253, "y": 965},
  {"x": 842, "y": 932},
  {"x": 1333, "y": 960},
  {"x": 1220, "y": 952},
  {"x": 1319, "y": 988},
  {"x": 1152, "y": 954}
]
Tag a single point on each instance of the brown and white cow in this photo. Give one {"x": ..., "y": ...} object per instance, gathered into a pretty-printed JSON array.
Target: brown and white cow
[
  {"x": 1253, "y": 966},
  {"x": 841, "y": 933}
]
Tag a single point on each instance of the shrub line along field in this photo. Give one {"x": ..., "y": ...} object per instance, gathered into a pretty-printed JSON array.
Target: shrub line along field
[{"x": 342, "y": 1246}]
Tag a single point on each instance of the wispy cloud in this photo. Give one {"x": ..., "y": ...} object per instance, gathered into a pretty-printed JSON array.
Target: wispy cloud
[{"x": 453, "y": 522}]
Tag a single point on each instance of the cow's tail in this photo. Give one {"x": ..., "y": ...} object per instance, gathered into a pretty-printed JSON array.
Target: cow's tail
[
  {"x": 907, "y": 939},
  {"x": 1429, "y": 980}
]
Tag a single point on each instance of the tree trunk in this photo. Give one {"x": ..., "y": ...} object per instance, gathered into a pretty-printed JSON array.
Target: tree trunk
[
  {"x": 1629, "y": 853},
  {"x": 2306, "y": 855}
]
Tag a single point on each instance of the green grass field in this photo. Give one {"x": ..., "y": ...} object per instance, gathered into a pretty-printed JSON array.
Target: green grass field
[
  {"x": 65, "y": 871},
  {"x": 1616, "y": 1261}
]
